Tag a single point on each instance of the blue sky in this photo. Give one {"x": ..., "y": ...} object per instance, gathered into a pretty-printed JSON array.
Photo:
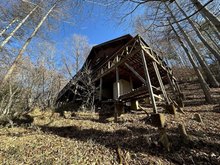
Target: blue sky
[{"x": 97, "y": 26}]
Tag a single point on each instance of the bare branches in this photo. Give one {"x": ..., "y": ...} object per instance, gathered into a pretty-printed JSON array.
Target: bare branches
[{"x": 186, "y": 18}]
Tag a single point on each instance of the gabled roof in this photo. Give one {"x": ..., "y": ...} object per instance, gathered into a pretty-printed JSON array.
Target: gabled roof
[{"x": 109, "y": 43}]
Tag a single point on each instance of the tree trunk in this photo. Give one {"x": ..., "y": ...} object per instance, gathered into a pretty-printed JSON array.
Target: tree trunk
[
  {"x": 213, "y": 51},
  {"x": 17, "y": 27},
  {"x": 209, "y": 75},
  {"x": 7, "y": 27},
  {"x": 8, "y": 74},
  {"x": 213, "y": 29},
  {"x": 202, "y": 81},
  {"x": 214, "y": 42},
  {"x": 206, "y": 13}
]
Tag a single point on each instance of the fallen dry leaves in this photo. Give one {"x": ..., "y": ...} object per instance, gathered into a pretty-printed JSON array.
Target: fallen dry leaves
[{"x": 82, "y": 139}]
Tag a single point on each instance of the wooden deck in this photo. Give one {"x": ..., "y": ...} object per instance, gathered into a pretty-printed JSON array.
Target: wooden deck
[{"x": 139, "y": 93}]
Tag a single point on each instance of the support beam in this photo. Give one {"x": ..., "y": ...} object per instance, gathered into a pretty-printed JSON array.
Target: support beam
[
  {"x": 174, "y": 85},
  {"x": 93, "y": 99},
  {"x": 118, "y": 95},
  {"x": 100, "y": 89},
  {"x": 75, "y": 92},
  {"x": 177, "y": 87},
  {"x": 117, "y": 83},
  {"x": 135, "y": 73},
  {"x": 126, "y": 48},
  {"x": 176, "y": 90},
  {"x": 160, "y": 82},
  {"x": 148, "y": 82},
  {"x": 180, "y": 96},
  {"x": 171, "y": 84}
]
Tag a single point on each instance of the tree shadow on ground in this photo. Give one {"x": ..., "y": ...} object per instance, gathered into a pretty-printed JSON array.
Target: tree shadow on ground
[
  {"x": 144, "y": 140},
  {"x": 216, "y": 108},
  {"x": 192, "y": 102},
  {"x": 17, "y": 121}
]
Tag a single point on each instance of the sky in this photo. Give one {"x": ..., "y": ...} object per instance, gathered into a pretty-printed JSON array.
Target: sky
[{"x": 97, "y": 26}]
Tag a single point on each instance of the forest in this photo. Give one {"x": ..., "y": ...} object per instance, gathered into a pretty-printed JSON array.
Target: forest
[{"x": 60, "y": 59}]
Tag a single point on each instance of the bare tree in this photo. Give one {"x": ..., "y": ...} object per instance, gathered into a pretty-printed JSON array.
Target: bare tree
[
  {"x": 32, "y": 84},
  {"x": 211, "y": 35},
  {"x": 17, "y": 27},
  {"x": 202, "y": 81},
  {"x": 81, "y": 50},
  {"x": 8, "y": 74},
  {"x": 212, "y": 50},
  {"x": 77, "y": 49},
  {"x": 206, "y": 13},
  {"x": 211, "y": 78},
  {"x": 8, "y": 26}
]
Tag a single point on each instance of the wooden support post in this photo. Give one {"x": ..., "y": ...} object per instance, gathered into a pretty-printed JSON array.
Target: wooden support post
[
  {"x": 180, "y": 97},
  {"x": 148, "y": 82},
  {"x": 160, "y": 82},
  {"x": 117, "y": 83},
  {"x": 93, "y": 100},
  {"x": 109, "y": 64},
  {"x": 100, "y": 89},
  {"x": 118, "y": 94},
  {"x": 126, "y": 49},
  {"x": 100, "y": 86},
  {"x": 177, "y": 86},
  {"x": 75, "y": 92},
  {"x": 182, "y": 130},
  {"x": 171, "y": 83},
  {"x": 198, "y": 118},
  {"x": 68, "y": 97},
  {"x": 176, "y": 90}
]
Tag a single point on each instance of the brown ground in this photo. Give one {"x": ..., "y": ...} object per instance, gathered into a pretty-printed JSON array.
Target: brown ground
[{"x": 84, "y": 140}]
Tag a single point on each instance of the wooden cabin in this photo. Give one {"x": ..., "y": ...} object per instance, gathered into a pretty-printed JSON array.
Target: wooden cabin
[{"x": 122, "y": 71}]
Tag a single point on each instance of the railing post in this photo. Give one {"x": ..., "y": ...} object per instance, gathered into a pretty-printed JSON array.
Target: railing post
[{"x": 160, "y": 82}]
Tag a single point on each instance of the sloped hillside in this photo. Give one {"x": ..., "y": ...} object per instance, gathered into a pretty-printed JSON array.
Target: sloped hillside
[{"x": 83, "y": 139}]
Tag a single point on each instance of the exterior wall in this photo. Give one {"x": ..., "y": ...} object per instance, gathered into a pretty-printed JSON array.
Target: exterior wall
[{"x": 125, "y": 87}]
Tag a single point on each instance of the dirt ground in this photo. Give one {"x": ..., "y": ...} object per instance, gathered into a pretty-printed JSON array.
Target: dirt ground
[{"x": 83, "y": 139}]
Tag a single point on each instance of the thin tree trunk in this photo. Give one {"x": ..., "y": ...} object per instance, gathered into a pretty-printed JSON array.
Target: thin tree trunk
[
  {"x": 202, "y": 81},
  {"x": 206, "y": 13},
  {"x": 180, "y": 62},
  {"x": 17, "y": 27},
  {"x": 8, "y": 74},
  {"x": 67, "y": 68},
  {"x": 215, "y": 31},
  {"x": 209, "y": 75},
  {"x": 7, "y": 27},
  {"x": 213, "y": 51},
  {"x": 214, "y": 42}
]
